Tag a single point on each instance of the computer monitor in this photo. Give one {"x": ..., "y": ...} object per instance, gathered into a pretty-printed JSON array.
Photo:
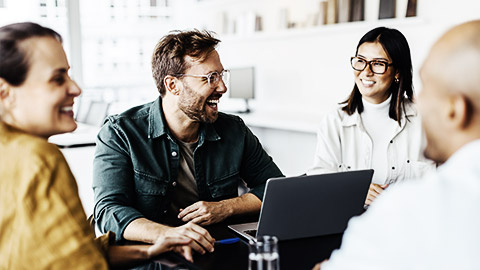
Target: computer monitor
[{"x": 242, "y": 84}]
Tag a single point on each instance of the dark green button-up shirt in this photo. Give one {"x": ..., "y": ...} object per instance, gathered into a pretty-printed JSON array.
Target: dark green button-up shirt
[{"x": 137, "y": 161}]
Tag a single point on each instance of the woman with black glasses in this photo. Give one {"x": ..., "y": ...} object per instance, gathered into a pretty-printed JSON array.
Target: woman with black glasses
[{"x": 377, "y": 126}]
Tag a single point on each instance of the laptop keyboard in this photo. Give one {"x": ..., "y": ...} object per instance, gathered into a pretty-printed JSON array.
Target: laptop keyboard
[{"x": 252, "y": 233}]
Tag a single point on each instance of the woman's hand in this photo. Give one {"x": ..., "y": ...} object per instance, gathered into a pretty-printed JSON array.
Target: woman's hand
[
  {"x": 201, "y": 240},
  {"x": 178, "y": 244},
  {"x": 373, "y": 192},
  {"x": 129, "y": 254}
]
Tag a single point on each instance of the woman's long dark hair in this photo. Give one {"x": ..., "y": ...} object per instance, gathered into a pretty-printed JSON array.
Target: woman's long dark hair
[{"x": 396, "y": 46}]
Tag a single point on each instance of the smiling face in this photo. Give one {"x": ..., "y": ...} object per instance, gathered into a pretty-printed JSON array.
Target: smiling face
[
  {"x": 374, "y": 87},
  {"x": 197, "y": 99},
  {"x": 43, "y": 104}
]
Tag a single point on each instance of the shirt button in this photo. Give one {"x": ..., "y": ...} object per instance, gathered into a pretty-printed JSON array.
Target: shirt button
[
  {"x": 174, "y": 154},
  {"x": 165, "y": 212},
  {"x": 408, "y": 161},
  {"x": 393, "y": 168},
  {"x": 174, "y": 184},
  {"x": 391, "y": 141}
]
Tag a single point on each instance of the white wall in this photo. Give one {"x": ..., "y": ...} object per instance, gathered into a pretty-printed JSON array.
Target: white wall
[
  {"x": 304, "y": 72},
  {"x": 307, "y": 70}
]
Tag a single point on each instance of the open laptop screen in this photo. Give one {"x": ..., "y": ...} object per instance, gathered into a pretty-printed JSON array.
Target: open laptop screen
[{"x": 314, "y": 205}]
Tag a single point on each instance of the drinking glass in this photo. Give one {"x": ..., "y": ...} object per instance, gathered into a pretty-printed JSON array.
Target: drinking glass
[{"x": 263, "y": 254}]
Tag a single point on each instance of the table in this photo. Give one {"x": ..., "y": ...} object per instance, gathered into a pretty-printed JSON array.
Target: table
[{"x": 294, "y": 254}]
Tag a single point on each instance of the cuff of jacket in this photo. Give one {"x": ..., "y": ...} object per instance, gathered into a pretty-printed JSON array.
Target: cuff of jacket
[
  {"x": 258, "y": 191},
  {"x": 117, "y": 220}
]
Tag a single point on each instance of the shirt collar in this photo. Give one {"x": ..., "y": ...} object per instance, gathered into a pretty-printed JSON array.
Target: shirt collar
[
  {"x": 158, "y": 127},
  {"x": 466, "y": 153},
  {"x": 7, "y": 131},
  {"x": 156, "y": 120},
  {"x": 351, "y": 120}
]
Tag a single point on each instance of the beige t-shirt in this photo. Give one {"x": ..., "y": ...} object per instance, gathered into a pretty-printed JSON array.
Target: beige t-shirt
[{"x": 185, "y": 192}]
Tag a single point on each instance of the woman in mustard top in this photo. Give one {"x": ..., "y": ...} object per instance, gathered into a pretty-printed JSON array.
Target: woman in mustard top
[{"x": 42, "y": 222}]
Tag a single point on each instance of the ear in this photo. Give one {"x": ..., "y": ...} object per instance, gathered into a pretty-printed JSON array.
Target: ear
[
  {"x": 460, "y": 111},
  {"x": 396, "y": 78},
  {"x": 4, "y": 89},
  {"x": 171, "y": 84}
]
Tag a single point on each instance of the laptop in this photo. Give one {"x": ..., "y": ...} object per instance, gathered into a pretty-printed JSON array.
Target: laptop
[{"x": 307, "y": 206}]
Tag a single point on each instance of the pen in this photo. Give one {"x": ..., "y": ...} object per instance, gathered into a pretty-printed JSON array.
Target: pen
[{"x": 227, "y": 241}]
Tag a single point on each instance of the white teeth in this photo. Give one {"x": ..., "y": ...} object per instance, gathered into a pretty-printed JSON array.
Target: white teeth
[
  {"x": 368, "y": 82},
  {"x": 214, "y": 101},
  {"x": 66, "y": 109}
]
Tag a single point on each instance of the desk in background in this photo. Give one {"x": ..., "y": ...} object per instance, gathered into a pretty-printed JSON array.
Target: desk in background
[
  {"x": 289, "y": 138},
  {"x": 84, "y": 135}
]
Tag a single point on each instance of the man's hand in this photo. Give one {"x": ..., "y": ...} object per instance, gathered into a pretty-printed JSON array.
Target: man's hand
[
  {"x": 373, "y": 192},
  {"x": 205, "y": 213},
  {"x": 201, "y": 240}
]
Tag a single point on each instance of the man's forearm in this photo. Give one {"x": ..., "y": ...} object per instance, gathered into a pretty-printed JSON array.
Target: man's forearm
[
  {"x": 144, "y": 230},
  {"x": 245, "y": 204}
]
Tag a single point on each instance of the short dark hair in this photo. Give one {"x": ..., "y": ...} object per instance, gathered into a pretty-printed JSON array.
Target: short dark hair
[
  {"x": 169, "y": 54},
  {"x": 14, "y": 60},
  {"x": 396, "y": 46}
]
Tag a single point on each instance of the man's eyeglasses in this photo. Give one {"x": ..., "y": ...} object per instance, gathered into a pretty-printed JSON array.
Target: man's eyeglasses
[
  {"x": 376, "y": 66},
  {"x": 213, "y": 78}
]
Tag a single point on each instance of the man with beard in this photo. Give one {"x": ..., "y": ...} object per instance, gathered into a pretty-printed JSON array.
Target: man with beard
[
  {"x": 431, "y": 223},
  {"x": 166, "y": 167}
]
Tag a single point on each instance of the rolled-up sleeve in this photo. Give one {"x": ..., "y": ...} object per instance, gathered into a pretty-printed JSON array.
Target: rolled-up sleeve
[{"x": 113, "y": 183}]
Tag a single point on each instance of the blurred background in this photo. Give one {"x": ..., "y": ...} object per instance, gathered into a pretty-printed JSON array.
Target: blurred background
[
  {"x": 292, "y": 56},
  {"x": 299, "y": 49}
]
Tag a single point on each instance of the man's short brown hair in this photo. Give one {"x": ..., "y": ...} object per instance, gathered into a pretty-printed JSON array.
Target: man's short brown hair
[{"x": 169, "y": 54}]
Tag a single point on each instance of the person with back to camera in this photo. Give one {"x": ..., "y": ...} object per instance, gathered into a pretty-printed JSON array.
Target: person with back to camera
[
  {"x": 378, "y": 126},
  {"x": 42, "y": 222}
]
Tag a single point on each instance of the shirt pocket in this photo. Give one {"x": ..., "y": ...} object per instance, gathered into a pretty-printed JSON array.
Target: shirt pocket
[
  {"x": 150, "y": 195},
  {"x": 146, "y": 184},
  {"x": 224, "y": 187}
]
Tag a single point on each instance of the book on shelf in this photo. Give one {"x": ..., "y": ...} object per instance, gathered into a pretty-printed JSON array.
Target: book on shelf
[
  {"x": 357, "y": 10},
  {"x": 258, "y": 23},
  {"x": 412, "y": 8},
  {"x": 332, "y": 11},
  {"x": 343, "y": 10},
  {"x": 371, "y": 10},
  {"x": 320, "y": 17},
  {"x": 387, "y": 9}
]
